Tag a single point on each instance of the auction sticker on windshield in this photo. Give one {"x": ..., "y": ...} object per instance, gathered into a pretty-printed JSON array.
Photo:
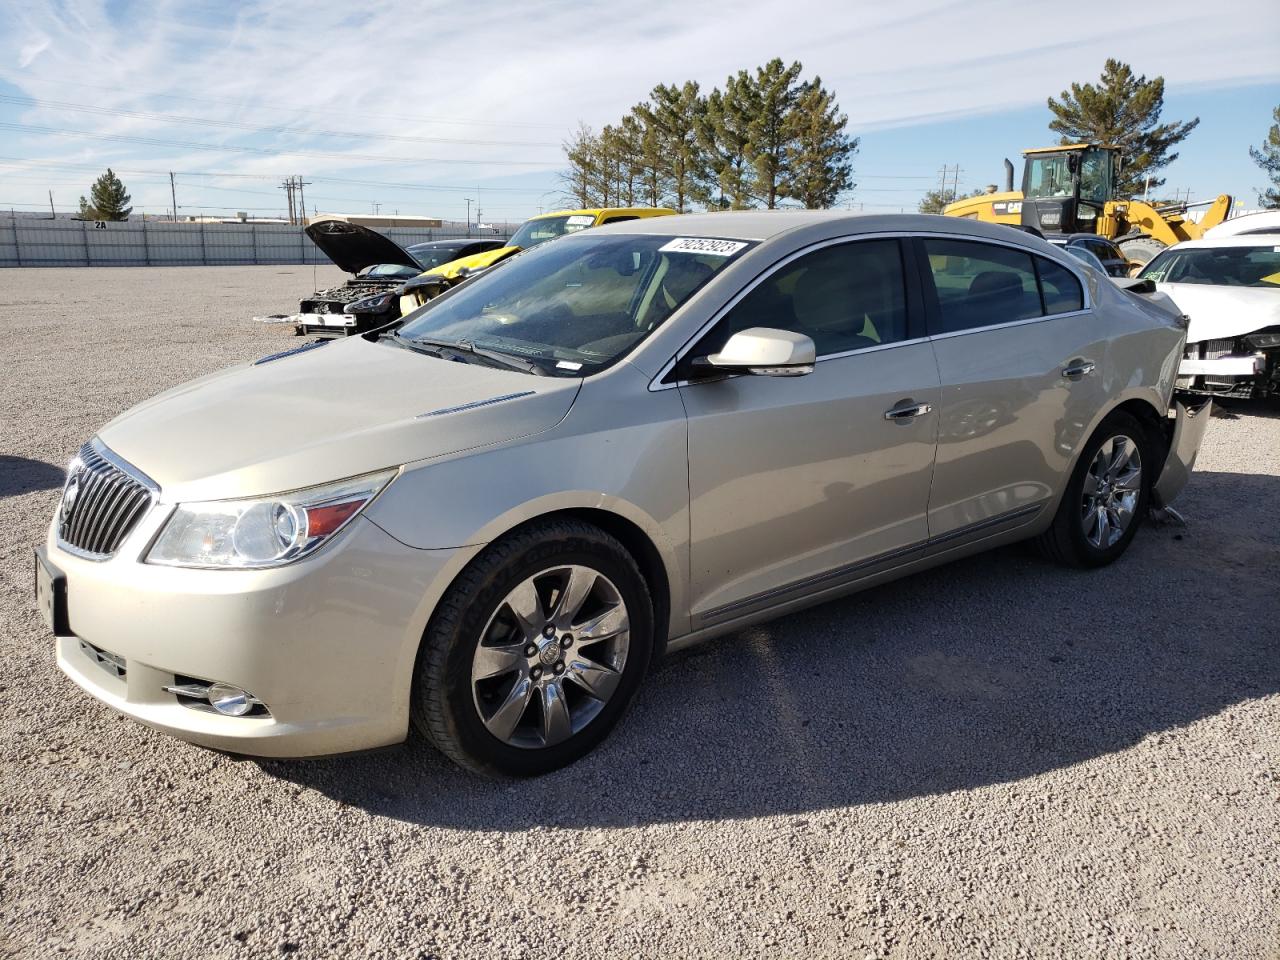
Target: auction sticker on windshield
[
  {"x": 703, "y": 245},
  {"x": 580, "y": 220}
]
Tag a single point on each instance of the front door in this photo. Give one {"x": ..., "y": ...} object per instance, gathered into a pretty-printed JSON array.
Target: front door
[{"x": 797, "y": 484}]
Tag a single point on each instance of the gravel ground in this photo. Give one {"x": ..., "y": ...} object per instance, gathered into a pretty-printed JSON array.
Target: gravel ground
[{"x": 999, "y": 758}]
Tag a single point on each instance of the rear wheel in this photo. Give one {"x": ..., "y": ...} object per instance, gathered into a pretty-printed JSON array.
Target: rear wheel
[
  {"x": 1106, "y": 497},
  {"x": 535, "y": 652}
]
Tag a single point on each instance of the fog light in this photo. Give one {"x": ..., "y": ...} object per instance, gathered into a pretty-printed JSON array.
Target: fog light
[{"x": 230, "y": 701}]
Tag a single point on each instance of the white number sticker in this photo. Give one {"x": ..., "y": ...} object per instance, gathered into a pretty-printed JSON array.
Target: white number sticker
[
  {"x": 703, "y": 245},
  {"x": 580, "y": 220}
]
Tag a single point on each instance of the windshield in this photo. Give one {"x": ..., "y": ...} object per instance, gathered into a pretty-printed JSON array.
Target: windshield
[
  {"x": 542, "y": 229},
  {"x": 575, "y": 307},
  {"x": 1219, "y": 266},
  {"x": 1084, "y": 256},
  {"x": 385, "y": 271},
  {"x": 435, "y": 256}
]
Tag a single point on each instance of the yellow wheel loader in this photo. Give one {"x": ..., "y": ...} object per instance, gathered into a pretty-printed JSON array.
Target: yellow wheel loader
[{"x": 1071, "y": 189}]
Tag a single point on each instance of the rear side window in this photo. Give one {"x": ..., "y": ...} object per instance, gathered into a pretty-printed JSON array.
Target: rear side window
[
  {"x": 850, "y": 296},
  {"x": 1062, "y": 292},
  {"x": 980, "y": 284}
]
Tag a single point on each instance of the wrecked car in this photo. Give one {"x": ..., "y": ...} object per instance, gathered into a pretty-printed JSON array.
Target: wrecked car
[
  {"x": 532, "y": 232},
  {"x": 377, "y": 266},
  {"x": 1230, "y": 288}
]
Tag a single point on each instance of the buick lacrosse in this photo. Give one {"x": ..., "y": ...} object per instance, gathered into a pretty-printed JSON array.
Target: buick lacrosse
[{"x": 485, "y": 521}]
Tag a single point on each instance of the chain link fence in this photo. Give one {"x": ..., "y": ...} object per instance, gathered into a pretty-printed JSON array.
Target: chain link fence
[{"x": 135, "y": 243}]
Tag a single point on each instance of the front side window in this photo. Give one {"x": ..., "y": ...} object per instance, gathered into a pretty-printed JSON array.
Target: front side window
[
  {"x": 980, "y": 284},
  {"x": 574, "y": 308},
  {"x": 1095, "y": 175},
  {"x": 542, "y": 229},
  {"x": 1048, "y": 176},
  {"x": 845, "y": 297},
  {"x": 1243, "y": 266}
]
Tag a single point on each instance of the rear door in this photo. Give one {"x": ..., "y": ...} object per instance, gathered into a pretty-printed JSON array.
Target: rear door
[
  {"x": 1019, "y": 353},
  {"x": 797, "y": 484}
]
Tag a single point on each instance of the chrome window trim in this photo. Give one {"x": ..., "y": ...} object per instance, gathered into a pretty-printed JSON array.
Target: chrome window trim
[
  {"x": 656, "y": 384},
  {"x": 1008, "y": 323}
]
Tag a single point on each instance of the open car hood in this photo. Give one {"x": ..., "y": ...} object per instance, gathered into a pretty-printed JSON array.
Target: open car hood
[
  {"x": 1223, "y": 313},
  {"x": 353, "y": 247}
]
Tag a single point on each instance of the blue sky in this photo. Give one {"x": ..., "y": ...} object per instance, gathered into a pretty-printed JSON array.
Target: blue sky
[{"x": 415, "y": 107}]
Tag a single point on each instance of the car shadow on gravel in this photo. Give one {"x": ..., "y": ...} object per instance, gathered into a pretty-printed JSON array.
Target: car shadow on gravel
[
  {"x": 992, "y": 670},
  {"x": 18, "y": 475}
]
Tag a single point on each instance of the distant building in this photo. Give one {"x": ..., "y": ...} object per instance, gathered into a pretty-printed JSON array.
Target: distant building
[{"x": 378, "y": 220}]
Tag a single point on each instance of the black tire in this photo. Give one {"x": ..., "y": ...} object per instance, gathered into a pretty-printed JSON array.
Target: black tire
[
  {"x": 1141, "y": 249},
  {"x": 1065, "y": 541},
  {"x": 442, "y": 706}
]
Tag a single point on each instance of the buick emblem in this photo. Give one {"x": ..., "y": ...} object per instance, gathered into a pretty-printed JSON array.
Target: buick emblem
[{"x": 69, "y": 495}]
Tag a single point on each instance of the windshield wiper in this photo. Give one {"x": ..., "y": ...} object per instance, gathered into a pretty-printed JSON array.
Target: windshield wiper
[{"x": 511, "y": 361}]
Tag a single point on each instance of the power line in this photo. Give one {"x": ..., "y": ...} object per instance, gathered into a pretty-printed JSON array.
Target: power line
[
  {"x": 228, "y": 148},
  {"x": 254, "y": 128}
]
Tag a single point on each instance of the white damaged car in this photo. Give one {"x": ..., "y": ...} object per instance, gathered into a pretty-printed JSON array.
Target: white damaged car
[{"x": 1230, "y": 288}]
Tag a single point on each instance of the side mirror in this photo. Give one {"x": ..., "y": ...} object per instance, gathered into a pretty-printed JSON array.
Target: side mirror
[{"x": 764, "y": 352}]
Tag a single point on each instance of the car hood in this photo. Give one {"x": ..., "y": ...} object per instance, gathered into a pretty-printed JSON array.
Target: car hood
[
  {"x": 477, "y": 261},
  {"x": 353, "y": 247},
  {"x": 1222, "y": 313},
  {"x": 324, "y": 413}
]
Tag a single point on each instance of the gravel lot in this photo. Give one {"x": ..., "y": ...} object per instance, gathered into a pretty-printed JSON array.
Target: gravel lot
[{"x": 999, "y": 758}]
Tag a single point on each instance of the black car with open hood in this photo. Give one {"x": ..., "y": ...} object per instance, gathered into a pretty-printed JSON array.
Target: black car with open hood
[{"x": 378, "y": 266}]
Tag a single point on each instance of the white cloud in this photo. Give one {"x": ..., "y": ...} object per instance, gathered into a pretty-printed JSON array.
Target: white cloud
[
  {"x": 530, "y": 71},
  {"x": 30, "y": 51}
]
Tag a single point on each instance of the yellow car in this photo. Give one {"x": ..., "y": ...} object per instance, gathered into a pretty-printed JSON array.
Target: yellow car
[{"x": 546, "y": 226}]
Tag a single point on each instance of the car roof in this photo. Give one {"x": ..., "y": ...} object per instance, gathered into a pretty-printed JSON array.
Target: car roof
[
  {"x": 598, "y": 211},
  {"x": 1240, "y": 240},
  {"x": 768, "y": 224},
  {"x": 456, "y": 242}
]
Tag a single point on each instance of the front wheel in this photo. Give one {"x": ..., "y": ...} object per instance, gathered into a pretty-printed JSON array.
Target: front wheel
[
  {"x": 535, "y": 652},
  {"x": 1106, "y": 497}
]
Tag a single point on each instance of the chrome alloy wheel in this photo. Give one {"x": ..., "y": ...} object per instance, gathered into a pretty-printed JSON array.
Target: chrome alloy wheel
[
  {"x": 1111, "y": 489},
  {"x": 550, "y": 657}
]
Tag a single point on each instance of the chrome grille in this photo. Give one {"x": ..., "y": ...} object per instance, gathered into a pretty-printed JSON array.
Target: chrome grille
[{"x": 102, "y": 501}]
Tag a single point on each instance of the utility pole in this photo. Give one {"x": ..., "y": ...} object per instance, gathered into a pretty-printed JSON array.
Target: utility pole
[
  {"x": 302, "y": 199},
  {"x": 52, "y": 214},
  {"x": 173, "y": 193},
  {"x": 287, "y": 187},
  {"x": 468, "y": 199}
]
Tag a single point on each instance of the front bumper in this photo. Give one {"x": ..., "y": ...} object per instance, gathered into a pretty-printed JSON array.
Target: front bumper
[{"x": 327, "y": 645}]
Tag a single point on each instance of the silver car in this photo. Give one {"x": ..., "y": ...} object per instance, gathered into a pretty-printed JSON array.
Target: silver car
[{"x": 487, "y": 521}]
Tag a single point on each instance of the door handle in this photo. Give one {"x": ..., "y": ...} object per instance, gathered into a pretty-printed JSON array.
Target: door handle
[
  {"x": 907, "y": 411},
  {"x": 1078, "y": 369}
]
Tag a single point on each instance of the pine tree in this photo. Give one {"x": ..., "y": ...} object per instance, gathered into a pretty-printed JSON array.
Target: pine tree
[
  {"x": 819, "y": 153},
  {"x": 674, "y": 112},
  {"x": 1268, "y": 158},
  {"x": 108, "y": 200},
  {"x": 778, "y": 89},
  {"x": 581, "y": 180},
  {"x": 1124, "y": 111},
  {"x": 725, "y": 137}
]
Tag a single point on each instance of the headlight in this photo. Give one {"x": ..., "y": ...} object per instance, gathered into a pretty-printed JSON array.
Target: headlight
[
  {"x": 264, "y": 532},
  {"x": 375, "y": 304}
]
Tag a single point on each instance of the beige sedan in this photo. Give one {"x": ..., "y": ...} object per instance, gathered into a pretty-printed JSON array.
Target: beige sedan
[{"x": 486, "y": 521}]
